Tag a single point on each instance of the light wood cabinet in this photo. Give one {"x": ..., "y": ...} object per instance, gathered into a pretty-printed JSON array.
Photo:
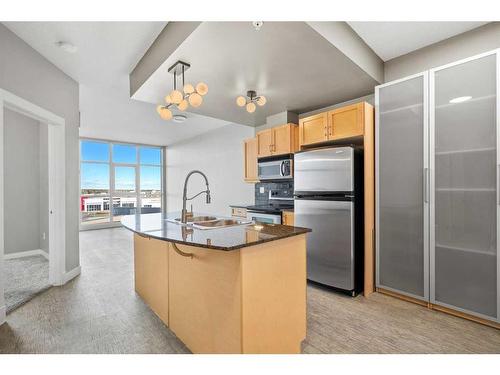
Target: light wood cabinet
[
  {"x": 313, "y": 129},
  {"x": 340, "y": 123},
  {"x": 250, "y": 156},
  {"x": 265, "y": 140},
  {"x": 151, "y": 274},
  {"x": 288, "y": 218},
  {"x": 240, "y": 212},
  {"x": 279, "y": 140},
  {"x": 346, "y": 122}
]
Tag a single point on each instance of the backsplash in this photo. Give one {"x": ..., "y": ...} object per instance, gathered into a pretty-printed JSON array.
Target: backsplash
[{"x": 285, "y": 190}]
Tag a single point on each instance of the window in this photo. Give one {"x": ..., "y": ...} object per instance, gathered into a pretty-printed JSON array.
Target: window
[{"x": 118, "y": 179}]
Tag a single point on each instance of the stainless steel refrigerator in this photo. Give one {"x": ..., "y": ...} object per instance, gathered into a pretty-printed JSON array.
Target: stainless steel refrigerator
[{"x": 329, "y": 200}]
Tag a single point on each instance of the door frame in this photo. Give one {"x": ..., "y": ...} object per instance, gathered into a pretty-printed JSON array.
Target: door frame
[
  {"x": 426, "y": 185},
  {"x": 57, "y": 186},
  {"x": 432, "y": 239}
]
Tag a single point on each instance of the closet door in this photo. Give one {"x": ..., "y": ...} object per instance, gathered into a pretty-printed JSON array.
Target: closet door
[
  {"x": 464, "y": 203},
  {"x": 402, "y": 187}
]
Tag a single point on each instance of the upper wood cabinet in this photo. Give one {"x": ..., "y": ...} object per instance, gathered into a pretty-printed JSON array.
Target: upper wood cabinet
[
  {"x": 250, "y": 154},
  {"x": 279, "y": 140},
  {"x": 313, "y": 129},
  {"x": 344, "y": 122}
]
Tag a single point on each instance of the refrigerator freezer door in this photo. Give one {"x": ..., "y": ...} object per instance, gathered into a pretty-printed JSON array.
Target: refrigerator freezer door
[
  {"x": 325, "y": 170},
  {"x": 330, "y": 245}
]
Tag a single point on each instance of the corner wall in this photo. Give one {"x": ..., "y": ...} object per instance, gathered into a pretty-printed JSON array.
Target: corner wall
[
  {"x": 26, "y": 73},
  {"x": 218, "y": 154}
]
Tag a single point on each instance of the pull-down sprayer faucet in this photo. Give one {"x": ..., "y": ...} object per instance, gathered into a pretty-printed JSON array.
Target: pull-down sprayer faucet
[{"x": 185, "y": 198}]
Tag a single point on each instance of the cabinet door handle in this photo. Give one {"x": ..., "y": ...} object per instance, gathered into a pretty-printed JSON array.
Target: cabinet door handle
[
  {"x": 180, "y": 252},
  {"x": 426, "y": 185}
]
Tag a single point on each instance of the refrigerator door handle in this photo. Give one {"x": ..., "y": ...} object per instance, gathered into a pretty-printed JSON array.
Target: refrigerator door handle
[
  {"x": 498, "y": 184},
  {"x": 426, "y": 185}
]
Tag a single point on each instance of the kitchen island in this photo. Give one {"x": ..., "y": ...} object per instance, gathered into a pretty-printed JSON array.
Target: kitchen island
[{"x": 233, "y": 289}]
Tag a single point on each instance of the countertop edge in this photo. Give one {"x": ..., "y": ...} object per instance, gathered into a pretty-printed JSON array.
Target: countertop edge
[{"x": 220, "y": 248}]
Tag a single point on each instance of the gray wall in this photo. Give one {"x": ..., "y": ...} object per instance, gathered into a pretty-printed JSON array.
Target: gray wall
[
  {"x": 368, "y": 98},
  {"x": 219, "y": 154},
  {"x": 21, "y": 183},
  {"x": 26, "y": 73},
  {"x": 482, "y": 39}
]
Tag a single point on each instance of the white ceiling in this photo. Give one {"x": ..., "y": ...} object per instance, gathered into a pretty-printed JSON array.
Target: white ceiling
[
  {"x": 290, "y": 63},
  {"x": 107, "y": 51},
  {"x": 392, "y": 39}
]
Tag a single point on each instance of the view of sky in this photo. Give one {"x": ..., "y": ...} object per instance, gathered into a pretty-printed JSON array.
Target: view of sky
[{"x": 96, "y": 176}]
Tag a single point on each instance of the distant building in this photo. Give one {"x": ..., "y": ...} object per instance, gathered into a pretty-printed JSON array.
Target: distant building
[{"x": 96, "y": 204}]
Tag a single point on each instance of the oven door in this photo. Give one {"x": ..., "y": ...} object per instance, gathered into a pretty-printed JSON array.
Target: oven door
[{"x": 263, "y": 217}]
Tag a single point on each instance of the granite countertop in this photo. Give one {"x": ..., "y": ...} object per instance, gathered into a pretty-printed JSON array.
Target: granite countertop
[
  {"x": 228, "y": 238},
  {"x": 253, "y": 205}
]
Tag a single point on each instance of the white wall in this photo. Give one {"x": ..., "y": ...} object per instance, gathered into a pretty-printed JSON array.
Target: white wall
[
  {"x": 21, "y": 183},
  {"x": 44, "y": 186},
  {"x": 27, "y": 74},
  {"x": 468, "y": 44},
  {"x": 218, "y": 154}
]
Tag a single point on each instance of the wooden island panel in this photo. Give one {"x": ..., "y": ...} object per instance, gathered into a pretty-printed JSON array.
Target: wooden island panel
[{"x": 151, "y": 274}]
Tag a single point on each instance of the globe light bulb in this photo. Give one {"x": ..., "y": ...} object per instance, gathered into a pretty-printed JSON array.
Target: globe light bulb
[
  {"x": 261, "y": 100},
  {"x": 250, "y": 107},
  {"x": 241, "y": 101},
  {"x": 165, "y": 113},
  {"x": 158, "y": 109},
  {"x": 195, "y": 99},
  {"x": 188, "y": 88},
  {"x": 202, "y": 88},
  {"x": 176, "y": 96},
  {"x": 168, "y": 99},
  {"x": 183, "y": 105}
]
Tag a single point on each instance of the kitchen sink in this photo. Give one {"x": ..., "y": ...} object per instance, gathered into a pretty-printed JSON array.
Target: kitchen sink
[
  {"x": 219, "y": 223},
  {"x": 193, "y": 219},
  {"x": 210, "y": 222}
]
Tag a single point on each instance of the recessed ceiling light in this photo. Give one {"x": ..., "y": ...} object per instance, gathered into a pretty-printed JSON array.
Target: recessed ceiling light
[
  {"x": 460, "y": 99},
  {"x": 67, "y": 46},
  {"x": 179, "y": 118}
]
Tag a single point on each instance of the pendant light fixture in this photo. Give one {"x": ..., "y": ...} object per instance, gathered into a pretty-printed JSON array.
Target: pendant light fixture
[
  {"x": 250, "y": 100},
  {"x": 181, "y": 100}
]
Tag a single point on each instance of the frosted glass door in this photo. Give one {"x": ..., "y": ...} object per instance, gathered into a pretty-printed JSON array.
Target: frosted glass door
[
  {"x": 402, "y": 214},
  {"x": 464, "y": 214}
]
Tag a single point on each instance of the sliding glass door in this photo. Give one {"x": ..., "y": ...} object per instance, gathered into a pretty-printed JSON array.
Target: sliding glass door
[{"x": 118, "y": 179}]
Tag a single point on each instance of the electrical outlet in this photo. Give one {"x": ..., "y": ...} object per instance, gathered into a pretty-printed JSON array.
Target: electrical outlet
[
  {"x": 43, "y": 236},
  {"x": 262, "y": 190}
]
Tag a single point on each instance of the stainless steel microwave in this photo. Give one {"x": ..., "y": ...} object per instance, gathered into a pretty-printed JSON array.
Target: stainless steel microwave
[{"x": 280, "y": 169}]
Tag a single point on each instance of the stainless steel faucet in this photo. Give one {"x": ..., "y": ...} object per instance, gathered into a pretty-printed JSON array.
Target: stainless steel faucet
[{"x": 185, "y": 198}]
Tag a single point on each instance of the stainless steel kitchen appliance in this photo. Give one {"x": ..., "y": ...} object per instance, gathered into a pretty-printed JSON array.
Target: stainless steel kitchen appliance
[
  {"x": 275, "y": 168},
  {"x": 329, "y": 200}
]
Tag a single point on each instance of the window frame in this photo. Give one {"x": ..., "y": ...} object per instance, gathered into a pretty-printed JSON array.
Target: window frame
[{"x": 137, "y": 166}]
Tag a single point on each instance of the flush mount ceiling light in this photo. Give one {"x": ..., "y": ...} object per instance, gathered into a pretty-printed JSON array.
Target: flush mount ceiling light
[
  {"x": 460, "y": 99},
  {"x": 250, "y": 101},
  {"x": 67, "y": 46},
  {"x": 190, "y": 95},
  {"x": 180, "y": 118}
]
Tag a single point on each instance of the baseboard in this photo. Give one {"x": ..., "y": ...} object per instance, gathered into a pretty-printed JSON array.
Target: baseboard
[
  {"x": 71, "y": 274},
  {"x": 3, "y": 310},
  {"x": 29, "y": 253}
]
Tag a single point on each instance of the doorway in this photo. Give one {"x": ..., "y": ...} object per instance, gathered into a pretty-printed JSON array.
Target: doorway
[{"x": 52, "y": 127}]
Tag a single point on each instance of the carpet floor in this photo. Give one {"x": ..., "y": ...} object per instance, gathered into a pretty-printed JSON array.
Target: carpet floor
[{"x": 24, "y": 279}]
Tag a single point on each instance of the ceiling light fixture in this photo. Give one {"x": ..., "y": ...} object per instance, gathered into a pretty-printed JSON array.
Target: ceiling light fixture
[
  {"x": 250, "y": 101},
  {"x": 190, "y": 95},
  {"x": 67, "y": 46},
  {"x": 180, "y": 118},
  {"x": 460, "y": 99}
]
